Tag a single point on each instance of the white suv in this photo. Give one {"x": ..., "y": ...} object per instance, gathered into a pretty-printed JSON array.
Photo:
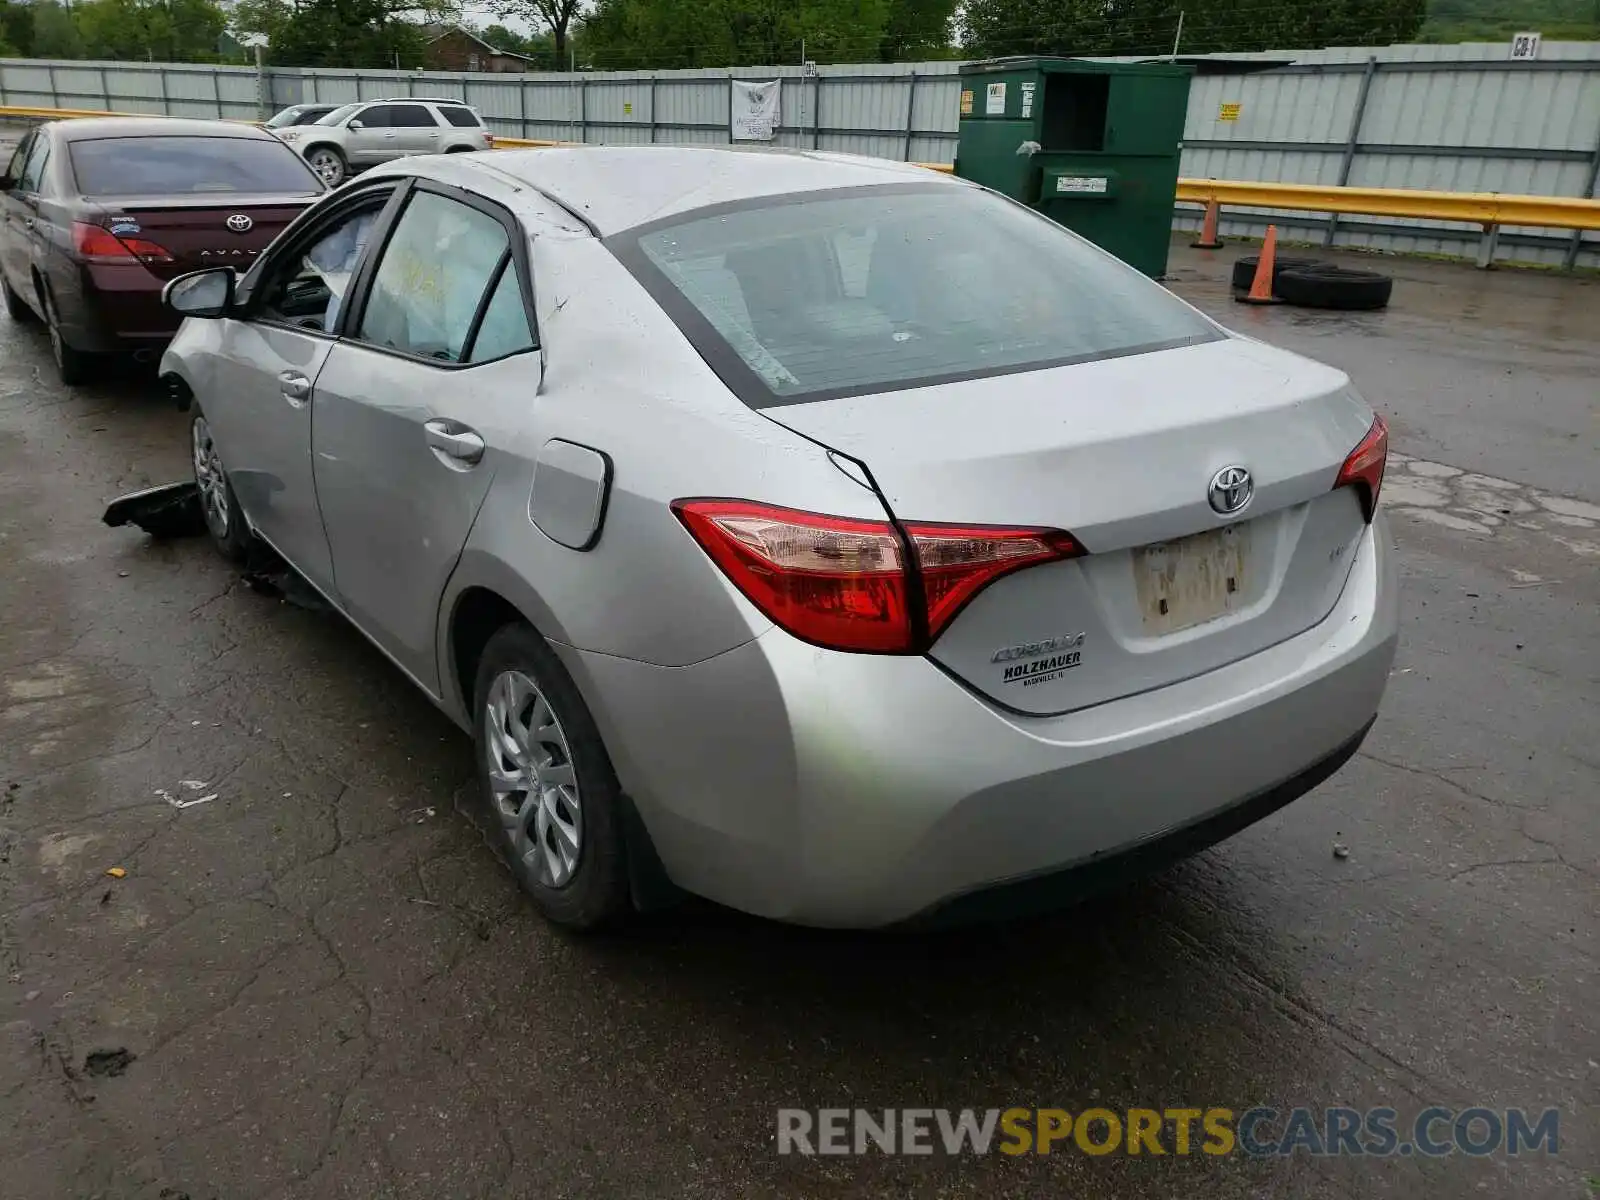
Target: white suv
[{"x": 373, "y": 131}]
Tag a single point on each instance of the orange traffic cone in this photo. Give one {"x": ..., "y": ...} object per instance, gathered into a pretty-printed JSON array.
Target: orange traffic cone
[
  {"x": 1261, "y": 285},
  {"x": 1208, "y": 229}
]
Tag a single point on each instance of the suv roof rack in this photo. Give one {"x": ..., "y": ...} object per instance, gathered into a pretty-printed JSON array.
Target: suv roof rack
[{"x": 412, "y": 99}]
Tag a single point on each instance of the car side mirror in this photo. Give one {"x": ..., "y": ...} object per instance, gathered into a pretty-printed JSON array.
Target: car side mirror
[
  {"x": 207, "y": 293},
  {"x": 354, "y": 125}
]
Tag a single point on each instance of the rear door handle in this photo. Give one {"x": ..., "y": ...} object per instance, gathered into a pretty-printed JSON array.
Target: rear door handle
[
  {"x": 27, "y": 222},
  {"x": 454, "y": 440},
  {"x": 294, "y": 386}
]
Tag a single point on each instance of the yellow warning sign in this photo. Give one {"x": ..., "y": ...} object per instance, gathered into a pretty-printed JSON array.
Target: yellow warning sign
[
  {"x": 627, "y": 108},
  {"x": 1228, "y": 112},
  {"x": 966, "y": 103}
]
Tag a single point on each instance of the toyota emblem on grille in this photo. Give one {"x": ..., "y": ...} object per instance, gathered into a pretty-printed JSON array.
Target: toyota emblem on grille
[
  {"x": 1231, "y": 489},
  {"x": 240, "y": 223}
]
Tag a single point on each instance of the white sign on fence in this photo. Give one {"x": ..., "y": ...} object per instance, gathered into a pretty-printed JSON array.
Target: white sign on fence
[
  {"x": 1525, "y": 45},
  {"x": 755, "y": 110}
]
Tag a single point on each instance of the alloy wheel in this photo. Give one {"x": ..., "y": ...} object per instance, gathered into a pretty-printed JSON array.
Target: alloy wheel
[
  {"x": 208, "y": 474},
  {"x": 532, "y": 776},
  {"x": 328, "y": 166}
]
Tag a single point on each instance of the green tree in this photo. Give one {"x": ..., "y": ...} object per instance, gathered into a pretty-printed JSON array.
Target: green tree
[
  {"x": 666, "y": 34},
  {"x": 1091, "y": 27},
  {"x": 154, "y": 30},
  {"x": 918, "y": 30},
  {"x": 341, "y": 33},
  {"x": 502, "y": 38},
  {"x": 16, "y": 29},
  {"x": 55, "y": 35},
  {"x": 555, "y": 15}
]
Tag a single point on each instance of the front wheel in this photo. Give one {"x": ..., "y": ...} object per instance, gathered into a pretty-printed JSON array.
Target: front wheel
[
  {"x": 329, "y": 164},
  {"x": 224, "y": 523},
  {"x": 547, "y": 784}
]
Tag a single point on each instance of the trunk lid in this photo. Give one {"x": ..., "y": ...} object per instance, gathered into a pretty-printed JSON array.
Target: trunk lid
[
  {"x": 196, "y": 231},
  {"x": 1121, "y": 453}
]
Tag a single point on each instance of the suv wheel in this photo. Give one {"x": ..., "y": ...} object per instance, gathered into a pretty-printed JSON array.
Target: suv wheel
[{"x": 329, "y": 164}]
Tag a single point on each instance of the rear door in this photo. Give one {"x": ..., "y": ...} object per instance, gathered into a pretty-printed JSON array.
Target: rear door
[
  {"x": 268, "y": 366},
  {"x": 417, "y": 407},
  {"x": 415, "y": 129}
]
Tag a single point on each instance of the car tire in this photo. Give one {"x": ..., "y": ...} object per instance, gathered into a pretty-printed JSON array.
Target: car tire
[
  {"x": 1341, "y": 288},
  {"x": 329, "y": 163},
  {"x": 16, "y": 307},
  {"x": 73, "y": 366},
  {"x": 225, "y": 523},
  {"x": 561, "y": 833},
  {"x": 1244, "y": 268}
]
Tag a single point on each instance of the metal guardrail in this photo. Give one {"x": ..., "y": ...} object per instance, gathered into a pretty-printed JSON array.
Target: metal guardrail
[{"x": 1490, "y": 210}]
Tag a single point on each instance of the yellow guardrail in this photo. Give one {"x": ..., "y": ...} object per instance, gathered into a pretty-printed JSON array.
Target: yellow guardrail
[{"x": 1474, "y": 208}]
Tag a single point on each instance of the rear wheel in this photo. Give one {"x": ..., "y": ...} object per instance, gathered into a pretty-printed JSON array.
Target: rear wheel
[
  {"x": 224, "y": 523},
  {"x": 547, "y": 784},
  {"x": 16, "y": 307},
  {"x": 72, "y": 365},
  {"x": 329, "y": 164}
]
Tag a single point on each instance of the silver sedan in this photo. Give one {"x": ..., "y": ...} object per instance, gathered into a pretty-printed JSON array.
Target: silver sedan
[{"x": 820, "y": 535}]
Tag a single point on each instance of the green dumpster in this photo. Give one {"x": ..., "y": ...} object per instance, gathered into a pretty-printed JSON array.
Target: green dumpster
[{"x": 1092, "y": 145}]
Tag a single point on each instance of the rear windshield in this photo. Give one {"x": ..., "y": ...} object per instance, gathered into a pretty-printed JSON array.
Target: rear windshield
[
  {"x": 464, "y": 117},
  {"x": 842, "y": 293},
  {"x": 157, "y": 166}
]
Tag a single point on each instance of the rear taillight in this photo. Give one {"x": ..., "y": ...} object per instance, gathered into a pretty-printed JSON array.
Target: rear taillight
[
  {"x": 97, "y": 244},
  {"x": 849, "y": 584},
  {"x": 1364, "y": 468}
]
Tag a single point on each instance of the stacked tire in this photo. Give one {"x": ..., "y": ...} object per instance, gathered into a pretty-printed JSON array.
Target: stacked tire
[{"x": 1312, "y": 283}]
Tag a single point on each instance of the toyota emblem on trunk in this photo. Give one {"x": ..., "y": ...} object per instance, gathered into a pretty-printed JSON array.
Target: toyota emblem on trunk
[
  {"x": 240, "y": 223},
  {"x": 1231, "y": 489}
]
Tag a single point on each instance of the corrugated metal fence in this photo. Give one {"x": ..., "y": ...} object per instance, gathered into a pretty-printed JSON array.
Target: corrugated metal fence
[{"x": 1462, "y": 118}]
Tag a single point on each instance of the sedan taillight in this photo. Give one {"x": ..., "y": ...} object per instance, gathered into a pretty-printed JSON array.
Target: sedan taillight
[
  {"x": 849, "y": 584},
  {"x": 97, "y": 244},
  {"x": 1364, "y": 468}
]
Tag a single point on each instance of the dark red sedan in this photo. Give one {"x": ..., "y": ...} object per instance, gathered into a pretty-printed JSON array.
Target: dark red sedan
[{"x": 101, "y": 213}]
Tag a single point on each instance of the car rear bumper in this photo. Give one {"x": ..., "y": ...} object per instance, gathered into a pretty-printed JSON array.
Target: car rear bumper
[
  {"x": 857, "y": 790},
  {"x": 116, "y": 308}
]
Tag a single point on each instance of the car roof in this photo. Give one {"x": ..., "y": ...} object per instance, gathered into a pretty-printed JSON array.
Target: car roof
[
  {"x": 84, "y": 128},
  {"x": 615, "y": 188}
]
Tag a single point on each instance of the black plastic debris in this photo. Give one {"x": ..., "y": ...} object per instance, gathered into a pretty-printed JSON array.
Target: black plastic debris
[
  {"x": 268, "y": 575},
  {"x": 169, "y": 511},
  {"x": 107, "y": 1062}
]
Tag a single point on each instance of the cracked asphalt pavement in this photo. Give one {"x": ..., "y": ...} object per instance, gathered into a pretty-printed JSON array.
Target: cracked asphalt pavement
[{"x": 321, "y": 984}]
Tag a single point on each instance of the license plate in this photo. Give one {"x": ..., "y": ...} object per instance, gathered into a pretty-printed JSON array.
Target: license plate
[{"x": 1192, "y": 580}]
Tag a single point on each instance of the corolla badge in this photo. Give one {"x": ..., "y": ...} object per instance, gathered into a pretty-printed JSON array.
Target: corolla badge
[
  {"x": 1231, "y": 489},
  {"x": 240, "y": 223}
]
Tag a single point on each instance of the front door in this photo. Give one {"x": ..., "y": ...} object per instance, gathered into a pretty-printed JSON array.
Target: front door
[
  {"x": 415, "y": 409},
  {"x": 374, "y": 142},
  {"x": 16, "y": 235},
  {"x": 268, "y": 369}
]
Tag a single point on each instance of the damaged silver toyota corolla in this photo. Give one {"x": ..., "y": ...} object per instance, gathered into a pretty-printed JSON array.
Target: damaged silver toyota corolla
[{"x": 824, "y": 536}]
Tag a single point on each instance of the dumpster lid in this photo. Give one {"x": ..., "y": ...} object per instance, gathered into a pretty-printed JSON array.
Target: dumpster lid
[{"x": 1058, "y": 62}]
